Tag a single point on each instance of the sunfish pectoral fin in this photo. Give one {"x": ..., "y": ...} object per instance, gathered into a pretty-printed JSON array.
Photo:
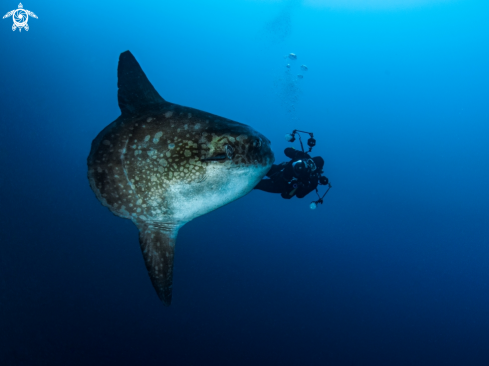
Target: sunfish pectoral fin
[
  {"x": 136, "y": 94},
  {"x": 158, "y": 246}
]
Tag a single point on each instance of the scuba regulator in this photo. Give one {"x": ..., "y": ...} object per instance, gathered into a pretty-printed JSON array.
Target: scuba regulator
[{"x": 311, "y": 142}]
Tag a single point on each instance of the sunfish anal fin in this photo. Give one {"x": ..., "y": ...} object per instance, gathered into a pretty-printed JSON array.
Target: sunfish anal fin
[
  {"x": 158, "y": 246},
  {"x": 136, "y": 94}
]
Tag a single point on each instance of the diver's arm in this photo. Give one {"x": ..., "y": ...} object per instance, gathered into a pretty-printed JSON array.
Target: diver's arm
[
  {"x": 304, "y": 190},
  {"x": 268, "y": 185},
  {"x": 275, "y": 169},
  {"x": 294, "y": 154}
]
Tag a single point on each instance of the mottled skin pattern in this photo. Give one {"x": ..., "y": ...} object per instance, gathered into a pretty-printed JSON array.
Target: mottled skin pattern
[{"x": 162, "y": 165}]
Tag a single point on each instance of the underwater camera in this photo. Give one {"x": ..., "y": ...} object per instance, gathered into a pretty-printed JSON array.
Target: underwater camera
[{"x": 322, "y": 180}]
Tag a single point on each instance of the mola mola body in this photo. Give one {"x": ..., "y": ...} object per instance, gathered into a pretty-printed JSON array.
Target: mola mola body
[{"x": 161, "y": 165}]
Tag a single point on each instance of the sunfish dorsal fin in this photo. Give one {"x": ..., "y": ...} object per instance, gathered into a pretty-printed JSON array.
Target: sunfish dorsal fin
[
  {"x": 158, "y": 246},
  {"x": 136, "y": 93}
]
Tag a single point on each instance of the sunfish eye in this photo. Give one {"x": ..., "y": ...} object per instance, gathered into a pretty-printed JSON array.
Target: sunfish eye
[
  {"x": 229, "y": 151},
  {"x": 228, "y": 154}
]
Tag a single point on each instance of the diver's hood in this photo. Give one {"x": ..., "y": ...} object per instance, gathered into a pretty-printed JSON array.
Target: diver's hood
[{"x": 319, "y": 162}]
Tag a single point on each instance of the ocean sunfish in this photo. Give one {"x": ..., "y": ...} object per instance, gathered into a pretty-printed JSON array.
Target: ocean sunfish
[{"x": 161, "y": 165}]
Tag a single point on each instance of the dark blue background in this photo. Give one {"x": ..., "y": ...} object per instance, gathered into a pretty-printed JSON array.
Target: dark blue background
[{"x": 391, "y": 270}]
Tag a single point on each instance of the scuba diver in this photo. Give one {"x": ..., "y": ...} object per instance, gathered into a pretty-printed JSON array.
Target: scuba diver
[{"x": 298, "y": 177}]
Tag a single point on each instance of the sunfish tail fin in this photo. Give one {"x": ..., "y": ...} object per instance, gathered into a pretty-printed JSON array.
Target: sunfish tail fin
[
  {"x": 135, "y": 91},
  {"x": 158, "y": 246}
]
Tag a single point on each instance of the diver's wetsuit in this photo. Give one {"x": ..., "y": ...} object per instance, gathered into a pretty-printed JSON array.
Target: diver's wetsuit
[{"x": 284, "y": 181}]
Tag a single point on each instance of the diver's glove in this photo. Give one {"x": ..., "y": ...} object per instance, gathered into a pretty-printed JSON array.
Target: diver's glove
[{"x": 323, "y": 180}]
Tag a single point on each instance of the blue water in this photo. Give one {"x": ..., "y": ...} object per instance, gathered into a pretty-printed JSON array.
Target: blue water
[{"x": 391, "y": 270}]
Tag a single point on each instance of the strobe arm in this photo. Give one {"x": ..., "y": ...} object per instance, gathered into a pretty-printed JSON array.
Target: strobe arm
[
  {"x": 320, "y": 200},
  {"x": 311, "y": 142}
]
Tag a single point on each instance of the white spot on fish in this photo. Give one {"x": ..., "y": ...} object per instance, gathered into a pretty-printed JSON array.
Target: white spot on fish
[
  {"x": 241, "y": 138},
  {"x": 168, "y": 114},
  {"x": 156, "y": 139}
]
